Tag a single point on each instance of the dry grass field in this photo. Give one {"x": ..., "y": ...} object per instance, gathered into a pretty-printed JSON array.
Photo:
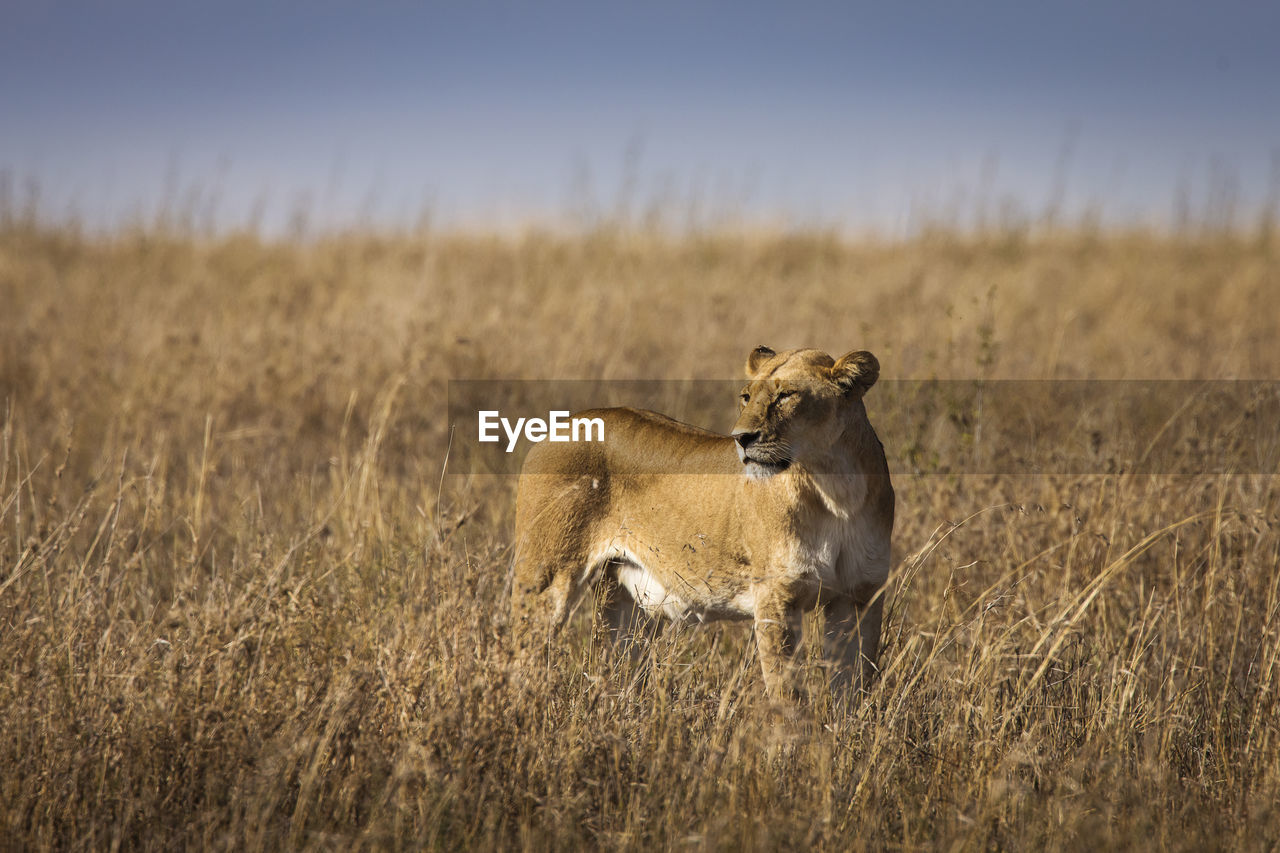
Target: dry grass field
[{"x": 245, "y": 604}]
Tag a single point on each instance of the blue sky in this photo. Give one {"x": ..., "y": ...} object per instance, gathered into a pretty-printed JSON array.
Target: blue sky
[{"x": 842, "y": 114}]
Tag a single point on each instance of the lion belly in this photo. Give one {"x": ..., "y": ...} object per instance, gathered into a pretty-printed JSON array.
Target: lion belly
[{"x": 678, "y": 596}]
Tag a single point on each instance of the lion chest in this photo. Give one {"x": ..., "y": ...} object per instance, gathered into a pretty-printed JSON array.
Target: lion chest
[{"x": 844, "y": 554}]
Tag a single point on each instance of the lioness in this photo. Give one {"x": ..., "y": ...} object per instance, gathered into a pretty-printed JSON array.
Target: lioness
[{"x": 792, "y": 510}]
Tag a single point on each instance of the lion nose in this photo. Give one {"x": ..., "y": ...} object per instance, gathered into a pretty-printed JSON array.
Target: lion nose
[{"x": 745, "y": 439}]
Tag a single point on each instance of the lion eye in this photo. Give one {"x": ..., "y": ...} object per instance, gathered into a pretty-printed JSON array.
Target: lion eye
[
  {"x": 745, "y": 398},
  {"x": 782, "y": 395}
]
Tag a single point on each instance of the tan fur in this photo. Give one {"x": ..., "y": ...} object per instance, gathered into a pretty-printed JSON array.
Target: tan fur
[{"x": 686, "y": 524}]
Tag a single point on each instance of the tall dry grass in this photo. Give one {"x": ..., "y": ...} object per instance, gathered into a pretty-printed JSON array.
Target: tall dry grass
[{"x": 242, "y": 604}]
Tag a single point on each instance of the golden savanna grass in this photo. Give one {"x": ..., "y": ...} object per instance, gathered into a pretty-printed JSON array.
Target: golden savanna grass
[{"x": 243, "y": 602}]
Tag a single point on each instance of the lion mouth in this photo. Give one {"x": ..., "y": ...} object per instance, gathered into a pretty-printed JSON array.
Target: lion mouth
[
  {"x": 760, "y": 466},
  {"x": 767, "y": 465}
]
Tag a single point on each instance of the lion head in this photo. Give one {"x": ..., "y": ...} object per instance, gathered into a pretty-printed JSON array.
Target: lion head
[{"x": 796, "y": 405}]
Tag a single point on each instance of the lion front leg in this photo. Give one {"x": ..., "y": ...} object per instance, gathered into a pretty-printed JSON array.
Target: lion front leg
[
  {"x": 851, "y": 640},
  {"x": 777, "y": 626}
]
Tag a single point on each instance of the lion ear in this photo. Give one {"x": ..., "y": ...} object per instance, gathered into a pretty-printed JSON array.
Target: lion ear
[
  {"x": 756, "y": 360},
  {"x": 857, "y": 370}
]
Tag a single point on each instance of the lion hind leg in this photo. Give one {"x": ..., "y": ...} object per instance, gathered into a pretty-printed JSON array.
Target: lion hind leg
[
  {"x": 544, "y": 593},
  {"x": 553, "y": 565}
]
